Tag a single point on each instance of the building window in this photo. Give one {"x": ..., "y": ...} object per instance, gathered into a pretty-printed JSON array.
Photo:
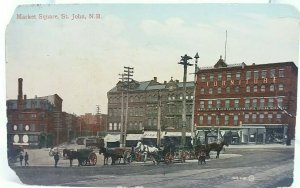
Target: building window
[
  {"x": 115, "y": 127},
  {"x": 226, "y": 122},
  {"x": 227, "y": 103},
  {"x": 272, "y": 87},
  {"x": 217, "y": 120},
  {"x": 246, "y": 118},
  {"x": 219, "y": 90},
  {"x": 200, "y": 120},
  {"x": 219, "y": 76},
  {"x": 270, "y": 117},
  {"x": 209, "y": 104},
  {"x": 238, "y": 76},
  {"x": 262, "y": 103},
  {"x": 271, "y": 103},
  {"x": 248, "y": 89},
  {"x": 227, "y": 89},
  {"x": 235, "y": 119},
  {"x": 248, "y": 75},
  {"x": 33, "y": 116},
  {"x": 255, "y": 88},
  {"x": 149, "y": 122},
  {"x": 208, "y": 120},
  {"x": 237, "y": 89},
  {"x": 264, "y": 74},
  {"x": 261, "y": 118},
  {"x": 210, "y": 91},
  {"x": 247, "y": 103},
  {"x": 281, "y": 73},
  {"x": 256, "y": 74},
  {"x": 253, "y": 117},
  {"x": 218, "y": 103},
  {"x": 254, "y": 103},
  {"x": 110, "y": 126},
  {"x": 262, "y": 88},
  {"x": 228, "y": 76},
  {"x": 236, "y": 103},
  {"x": 201, "y": 104},
  {"x": 203, "y": 77},
  {"x": 279, "y": 102},
  {"x": 280, "y": 87},
  {"x": 278, "y": 117},
  {"x": 202, "y": 91},
  {"x": 211, "y": 77},
  {"x": 272, "y": 73}
]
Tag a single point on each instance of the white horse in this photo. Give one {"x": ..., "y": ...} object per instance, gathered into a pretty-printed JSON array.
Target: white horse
[{"x": 145, "y": 150}]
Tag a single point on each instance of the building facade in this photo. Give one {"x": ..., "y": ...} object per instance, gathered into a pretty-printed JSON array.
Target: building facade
[
  {"x": 246, "y": 103},
  {"x": 37, "y": 122},
  {"x": 150, "y": 104}
]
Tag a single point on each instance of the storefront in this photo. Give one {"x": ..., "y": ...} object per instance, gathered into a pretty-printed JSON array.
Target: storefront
[
  {"x": 112, "y": 140},
  {"x": 133, "y": 139}
]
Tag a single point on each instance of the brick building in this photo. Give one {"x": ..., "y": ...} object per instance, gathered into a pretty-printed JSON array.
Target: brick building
[
  {"x": 246, "y": 103},
  {"x": 92, "y": 124},
  {"x": 37, "y": 122}
]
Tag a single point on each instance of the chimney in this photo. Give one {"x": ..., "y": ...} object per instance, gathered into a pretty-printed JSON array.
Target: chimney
[
  {"x": 20, "y": 89},
  {"x": 25, "y": 97},
  {"x": 155, "y": 79}
]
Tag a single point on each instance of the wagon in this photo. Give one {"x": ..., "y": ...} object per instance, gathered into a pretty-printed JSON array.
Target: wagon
[
  {"x": 87, "y": 156},
  {"x": 179, "y": 154}
]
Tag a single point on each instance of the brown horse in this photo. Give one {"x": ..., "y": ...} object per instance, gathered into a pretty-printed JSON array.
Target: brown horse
[
  {"x": 202, "y": 148},
  {"x": 114, "y": 154},
  {"x": 71, "y": 155},
  {"x": 217, "y": 147}
]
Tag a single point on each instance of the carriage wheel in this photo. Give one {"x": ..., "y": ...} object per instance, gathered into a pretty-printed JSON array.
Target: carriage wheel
[
  {"x": 93, "y": 159},
  {"x": 169, "y": 158}
]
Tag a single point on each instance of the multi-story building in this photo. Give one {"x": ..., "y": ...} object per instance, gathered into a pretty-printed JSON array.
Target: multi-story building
[
  {"x": 143, "y": 104},
  {"x": 92, "y": 124},
  {"x": 246, "y": 103},
  {"x": 37, "y": 122}
]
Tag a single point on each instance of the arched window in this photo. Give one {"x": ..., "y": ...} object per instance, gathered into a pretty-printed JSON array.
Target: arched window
[
  {"x": 248, "y": 89},
  {"x": 280, "y": 87},
  {"x": 263, "y": 88},
  {"x": 202, "y": 91},
  {"x": 255, "y": 88},
  {"x": 272, "y": 87}
]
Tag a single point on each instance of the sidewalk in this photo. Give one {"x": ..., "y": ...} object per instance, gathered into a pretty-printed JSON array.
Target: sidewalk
[{"x": 258, "y": 146}]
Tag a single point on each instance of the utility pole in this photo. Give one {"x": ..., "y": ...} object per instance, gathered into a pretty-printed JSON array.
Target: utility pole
[
  {"x": 122, "y": 112},
  {"x": 98, "y": 114},
  {"x": 158, "y": 119},
  {"x": 194, "y": 98},
  {"x": 128, "y": 73},
  {"x": 184, "y": 62}
]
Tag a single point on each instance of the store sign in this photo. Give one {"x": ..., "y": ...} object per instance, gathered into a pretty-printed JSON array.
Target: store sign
[{"x": 241, "y": 82}]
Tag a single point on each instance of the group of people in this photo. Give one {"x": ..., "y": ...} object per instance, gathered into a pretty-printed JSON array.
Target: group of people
[{"x": 25, "y": 158}]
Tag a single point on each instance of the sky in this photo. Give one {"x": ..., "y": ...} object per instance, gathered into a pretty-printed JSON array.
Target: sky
[{"x": 80, "y": 59}]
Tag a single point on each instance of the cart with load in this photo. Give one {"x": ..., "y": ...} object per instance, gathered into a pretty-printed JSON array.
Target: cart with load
[{"x": 87, "y": 157}]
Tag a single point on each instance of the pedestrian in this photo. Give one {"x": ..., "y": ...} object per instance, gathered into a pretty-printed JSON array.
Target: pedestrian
[
  {"x": 26, "y": 159},
  {"x": 56, "y": 159},
  {"x": 21, "y": 158}
]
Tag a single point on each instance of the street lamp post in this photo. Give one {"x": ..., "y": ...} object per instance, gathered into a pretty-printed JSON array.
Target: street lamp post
[
  {"x": 184, "y": 62},
  {"x": 194, "y": 99}
]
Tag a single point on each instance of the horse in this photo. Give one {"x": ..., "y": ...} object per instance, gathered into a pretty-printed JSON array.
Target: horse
[
  {"x": 201, "y": 157},
  {"x": 114, "y": 154},
  {"x": 148, "y": 150},
  {"x": 71, "y": 155},
  {"x": 202, "y": 148},
  {"x": 217, "y": 147}
]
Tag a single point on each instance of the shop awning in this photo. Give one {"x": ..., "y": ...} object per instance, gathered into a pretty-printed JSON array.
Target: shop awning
[
  {"x": 134, "y": 136},
  {"x": 150, "y": 134},
  {"x": 112, "y": 138},
  {"x": 177, "y": 134}
]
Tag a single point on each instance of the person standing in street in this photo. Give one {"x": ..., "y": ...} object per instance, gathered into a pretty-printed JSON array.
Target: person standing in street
[
  {"x": 26, "y": 159},
  {"x": 21, "y": 158},
  {"x": 56, "y": 159}
]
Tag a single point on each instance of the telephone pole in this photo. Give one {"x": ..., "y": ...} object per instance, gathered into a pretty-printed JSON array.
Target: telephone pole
[
  {"x": 128, "y": 73},
  {"x": 184, "y": 62},
  {"x": 98, "y": 115},
  {"x": 122, "y": 112}
]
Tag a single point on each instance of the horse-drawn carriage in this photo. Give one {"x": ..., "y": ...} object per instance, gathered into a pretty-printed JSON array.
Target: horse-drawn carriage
[{"x": 85, "y": 157}]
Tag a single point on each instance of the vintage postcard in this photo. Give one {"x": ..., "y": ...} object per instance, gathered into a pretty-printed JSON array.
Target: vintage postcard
[{"x": 152, "y": 95}]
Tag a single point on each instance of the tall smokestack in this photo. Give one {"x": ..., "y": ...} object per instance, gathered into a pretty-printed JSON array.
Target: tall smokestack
[{"x": 20, "y": 89}]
